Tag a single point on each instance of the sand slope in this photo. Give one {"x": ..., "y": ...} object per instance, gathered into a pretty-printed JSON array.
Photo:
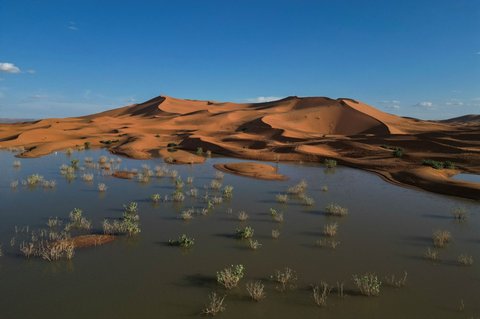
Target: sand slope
[{"x": 290, "y": 129}]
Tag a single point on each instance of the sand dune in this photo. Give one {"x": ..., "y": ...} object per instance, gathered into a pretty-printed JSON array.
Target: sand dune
[{"x": 290, "y": 129}]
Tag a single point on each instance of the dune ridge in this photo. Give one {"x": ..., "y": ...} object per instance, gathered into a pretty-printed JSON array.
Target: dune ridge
[{"x": 290, "y": 129}]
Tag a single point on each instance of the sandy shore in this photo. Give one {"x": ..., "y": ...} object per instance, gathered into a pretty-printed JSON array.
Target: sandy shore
[
  {"x": 291, "y": 129},
  {"x": 250, "y": 169}
]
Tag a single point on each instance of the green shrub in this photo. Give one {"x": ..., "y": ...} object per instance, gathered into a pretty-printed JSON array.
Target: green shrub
[
  {"x": 183, "y": 241},
  {"x": 368, "y": 283},
  {"x": 231, "y": 276}
]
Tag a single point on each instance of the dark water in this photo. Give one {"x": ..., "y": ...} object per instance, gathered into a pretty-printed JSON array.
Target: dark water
[{"x": 387, "y": 231}]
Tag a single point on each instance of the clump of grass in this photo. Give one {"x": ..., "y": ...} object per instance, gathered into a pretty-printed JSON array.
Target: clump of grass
[
  {"x": 320, "y": 294},
  {"x": 102, "y": 187},
  {"x": 285, "y": 278},
  {"x": 282, "y": 198},
  {"x": 215, "y": 305},
  {"x": 216, "y": 200},
  {"x": 187, "y": 214},
  {"x": 245, "y": 232},
  {"x": 324, "y": 188},
  {"x": 396, "y": 282},
  {"x": 298, "y": 188},
  {"x": 231, "y": 276},
  {"x": 14, "y": 184},
  {"x": 77, "y": 221},
  {"x": 215, "y": 184},
  {"x": 431, "y": 254},
  {"x": 155, "y": 198},
  {"x": 34, "y": 179},
  {"x": 242, "y": 216},
  {"x": 253, "y": 244},
  {"x": 276, "y": 216},
  {"x": 330, "y": 163},
  {"x": 228, "y": 191},
  {"x": 69, "y": 151},
  {"x": 183, "y": 241},
  {"x": 179, "y": 183},
  {"x": 87, "y": 177},
  {"x": 327, "y": 243},
  {"x": 368, "y": 284},
  {"x": 465, "y": 260},
  {"x": 219, "y": 175},
  {"x": 208, "y": 153},
  {"x": 336, "y": 210},
  {"x": 308, "y": 201},
  {"x": 275, "y": 233},
  {"x": 459, "y": 214},
  {"x": 256, "y": 290},
  {"x": 438, "y": 164},
  {"x": 49, "y": 184},
  {"x": 189, "y": 180},
  {"x": 178, "y": 196},
  {"x": 17, "y": 164},
  {"x": 53, "y": 222},
  {"x": 441, "y": 238},
  {"x": 193, "y": 192},
  {"x": 330, "y": 230},
  {"x": 55, "y": 250}
]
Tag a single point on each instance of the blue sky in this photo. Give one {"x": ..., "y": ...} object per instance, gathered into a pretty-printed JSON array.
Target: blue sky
[{"x": 412, "y": 58}]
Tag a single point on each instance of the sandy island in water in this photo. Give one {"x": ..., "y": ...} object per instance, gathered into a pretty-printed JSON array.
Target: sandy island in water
[
  {"x": 291, "y": 129},
  {"x": 256, "y": 170}
]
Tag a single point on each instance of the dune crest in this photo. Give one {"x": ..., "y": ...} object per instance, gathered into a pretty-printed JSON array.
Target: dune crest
[{"x": 290, "y": 129}]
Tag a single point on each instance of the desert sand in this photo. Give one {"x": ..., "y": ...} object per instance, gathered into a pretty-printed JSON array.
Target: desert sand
[
  {"x": 91, "y": 240},
  {"x": 290, "y": 129}
]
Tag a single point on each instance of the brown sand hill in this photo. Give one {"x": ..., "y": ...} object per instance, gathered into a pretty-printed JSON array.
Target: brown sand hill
[{"x": 291, "y": 129}]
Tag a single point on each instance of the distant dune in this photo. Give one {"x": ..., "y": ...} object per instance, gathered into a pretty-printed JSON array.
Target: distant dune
[{"x": 290, "y": 129}]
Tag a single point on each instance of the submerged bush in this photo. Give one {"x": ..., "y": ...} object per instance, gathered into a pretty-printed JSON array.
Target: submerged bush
[
  {"x": 155, "y": 198},
  {"x": 336, "y": 210},
  {"x": 102, "y": 187},
  {"x": 215, "y": 305},
  {"x": 330, "y": 230},
  {"x": 286, "y": 278},
  {"x": 460, "y": 214},
  {"x": 256, "y": 290},
  {"x": 242, "y": 216},
  {"x": 231, "y": 276},
  {"x": 77, "y": 221},
  {"x": 245, "y": 233},
  {"x": 330, "y": 163},
  {"x": 183, "y": 241},
  {"x": 441, "y": 238},
  {"x": 298, "y": 188},
  {"x": 396, "y": 282},
  {"x": 320, "y": 294},
  {"x": 465, "y": 260},
  {"x": 368, "y": 284},
  {"x": 282, "y": 198},
  {"x": 254, "y": 244},
  {"x": 129, "y": 224}
]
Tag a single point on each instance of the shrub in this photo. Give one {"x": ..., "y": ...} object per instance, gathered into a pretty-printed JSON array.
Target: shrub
[
  {"x": 187, "y": 214},
  {"x": 320, "y": 294},
  {"x": 368, "y": 283},
  {"x": 324, "y": 188},
  {"x": 208, "y": 153},
  {"x": 336, "y": 210},
  {"x": 189, "y": 180},
  {"x": 393, "y": 281},
  {"x": 199, "y": 151},
  {"x": 231, "y": 276},
  {"x": 282, "y": 198},
  {"x": 256, "y": 290},
  {"x": 308, "y": 201},
  {"x": 327, "y": 243},
  {"x": 87, "y": 177},
  {"x": 398, "y": 152},
  {"x": 102, "y": 187},
  {"x": 298, "y": 188},
  {"x": 34, "y": 179},
  {"x": 228, "y": 191},
  {"x": 460, "y": 214},
  {"x": 155, "y": 198},
  {"x": 254, "y": 244},
  {"x": 465, "y": 260},
  {"x": 219, "y": 175},
  {"x": 441, "y": 238},
  {"x": 438, "y": 164},
  {"x": 286, "y": 278},
  {"x": 245, "y": 233},
  {"x": 242, "y": 216},
  {"x": 330, "y": 163},
  {"x": 183, "y": 241},
  {"x": 178, "y": 196},
  {"x": 87, "y": 145},
  {"x": 431, "y": 254},
  {"x": 330, "y": 230},
  {"x": 275, "y": 233},
  {"x": 77, "y": 221},
  {"x": 14, "y": 184},
  {"x": 17, "y": 164},
  {"x": 215, "y": 184},
  {"x": 215, "y": 305}
]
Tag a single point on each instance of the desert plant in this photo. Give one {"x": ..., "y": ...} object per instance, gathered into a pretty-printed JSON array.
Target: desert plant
[
  {"x": 282, "y": 198},
  {"x": 87, "y": 177},
  {"x": 193, "y": 192},
  {"x": 231, "y": 276},
  {"x": 69, "y": 151},
  {"x": 77, "y": 221},
  {"x": 102, "y": 187},
  {"x": 54, "y": 222},
  {"x": 336, "y": 210},
  {"x": 208, "y": 153},
  {"x": 215, "y": 184},
  {"x": 285, "y": 278},
  {"x": 431, "y": 254},
  {"x": 308, "y": 201},
  {"x": 228, "y": 191},
  {"x": 219, "y": 175},
  {"x": 179, "y": 183},
  {"x": 199, "y": 151},
  {"x": 155, "y": 198},
  {"x": 244, "y": 233},
  {"x": 256, "y": 290},
  {"x": 441, "y": 238},
  {"x": 320, "y": 294},
  {"x": 34, "y": 179},
  {"x": 368, "y": 284},
  {"x": 396, "y": 282},
  {"x": 215, "y": 305},
  {"x": 327, "y": 243},
  {"x": 178, "y": 196},
  {"x": 330, "y": 230},
  {"x": 325, "y": 188},
  {"x": 189, "y": 180},
  {"x": 298, "y": 188},
  {"x": 242, "y": 216},
  {"x": 459, "y": 214},
  {"x": 330, "y": 163},
  {"x": 17, "y": 164},
  {"x": 253, "y": 244},
  {"x": 398, "y": 152},
  {"x": 14, "y": 184},
  {"x": 465, "y": 260},
  {"x": 183, "y": 241},
  {"x": 187, "y": 214},
  {"x": 275, "y": 233}
]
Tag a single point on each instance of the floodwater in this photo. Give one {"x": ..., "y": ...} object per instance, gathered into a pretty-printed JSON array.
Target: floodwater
[
  {"x": 387, "y": 231},
  {"x": 475, "y": 178}
]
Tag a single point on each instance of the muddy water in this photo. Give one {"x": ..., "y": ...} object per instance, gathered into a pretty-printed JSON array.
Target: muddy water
[{"x": 387, "y": 231}]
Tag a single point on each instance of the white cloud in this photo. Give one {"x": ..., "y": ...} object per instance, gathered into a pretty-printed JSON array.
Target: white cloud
[
  {"x": 9, "y": 68},
  {"x": 30, "y": 71},
  {"x": 263, "y": 99},
  {"x": 454, "y": 102},
  {"x": 391, "y": 104},
  {"x": 72, "y": 26},
  {"x": 425, "y": 104}
]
